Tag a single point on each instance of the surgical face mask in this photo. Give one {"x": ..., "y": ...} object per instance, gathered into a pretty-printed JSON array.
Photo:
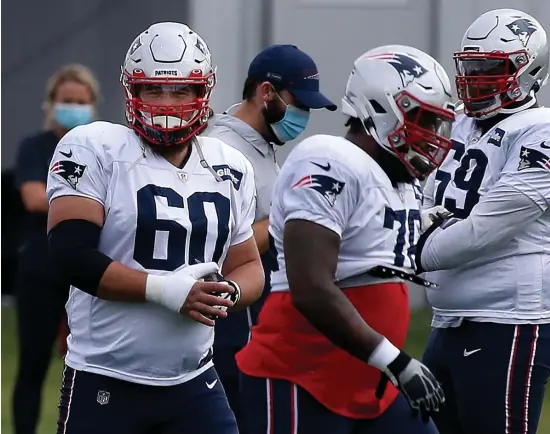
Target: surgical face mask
[
  {"x": 292, "y": 124},
  {"x": 73, "y": 115}
]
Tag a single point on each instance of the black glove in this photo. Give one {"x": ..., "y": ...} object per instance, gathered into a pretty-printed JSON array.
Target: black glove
[
  {"x": 416, "y": 383},
  {"x": 217, "y": 277},
  {"x": 438, "y": 219}
]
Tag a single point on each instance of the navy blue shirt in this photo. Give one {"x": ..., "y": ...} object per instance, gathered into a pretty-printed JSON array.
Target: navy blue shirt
[{"x": 33, "y": 159}]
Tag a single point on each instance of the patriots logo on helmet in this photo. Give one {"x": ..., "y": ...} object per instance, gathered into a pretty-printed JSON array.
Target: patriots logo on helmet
[
  {"x": 407, "y": 67},
  {"x": 201, "y": 47},
  {"x": 137, "y": 43},
  {"x": 328, "y": 187},
  {"x": 533, "y": 159},
  {"x": 523, "y": 29},
  {"x": 69, "y": 171}
]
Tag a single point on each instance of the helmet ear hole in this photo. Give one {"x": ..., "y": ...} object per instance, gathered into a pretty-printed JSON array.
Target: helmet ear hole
[{"x": 377, "y": 107}]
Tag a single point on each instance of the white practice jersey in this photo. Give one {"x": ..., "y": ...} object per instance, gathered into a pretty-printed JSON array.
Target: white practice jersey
[
  {"x": 330, "y": 181},
  {"x": 158, "y": 219},
  {"x": 510, "y": 283}
]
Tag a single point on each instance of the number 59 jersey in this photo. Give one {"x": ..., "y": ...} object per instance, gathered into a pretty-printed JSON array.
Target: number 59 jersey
[
  {"x": 158, "y": 219},
  {"x": 511, "y": 282},
  {"x": 330, "y": 181}
]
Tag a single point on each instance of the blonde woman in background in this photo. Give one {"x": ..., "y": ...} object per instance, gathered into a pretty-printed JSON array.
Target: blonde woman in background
[{"x": 71, "y": 100}]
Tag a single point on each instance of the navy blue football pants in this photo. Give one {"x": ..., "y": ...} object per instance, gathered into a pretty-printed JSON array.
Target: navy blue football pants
[
  {"x": 494, "y": 376},
  {"x": 280, "y": 407},
  {"x": 95, "y": 404}
]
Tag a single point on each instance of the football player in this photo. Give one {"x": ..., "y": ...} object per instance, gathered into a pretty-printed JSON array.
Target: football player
[
  {"x": 139, "y": 217},
  {"x": 491, "y": 324},
  {"x": 345, "y": 218}
]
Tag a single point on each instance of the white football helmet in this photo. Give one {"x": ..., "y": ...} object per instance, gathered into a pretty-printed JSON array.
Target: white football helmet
[
  {"x": 503, "y": 60},
  {"x": 168, "y": 54},
  {"x": 403, "y": 98}
]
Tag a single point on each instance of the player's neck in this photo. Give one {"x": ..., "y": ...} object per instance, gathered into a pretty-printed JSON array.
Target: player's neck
[
  {"x": 364, "y": 142},
  {"x": 177, "y": 156},
  {"x": 249, "y": 114},
  {"x": 390, "y": 164}
]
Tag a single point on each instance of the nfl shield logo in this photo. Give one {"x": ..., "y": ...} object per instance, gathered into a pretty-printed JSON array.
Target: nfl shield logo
[{"x": 103, "y": 397}]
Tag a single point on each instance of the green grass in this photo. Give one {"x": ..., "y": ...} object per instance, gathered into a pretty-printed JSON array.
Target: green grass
[{"x": 418, "y": 333}]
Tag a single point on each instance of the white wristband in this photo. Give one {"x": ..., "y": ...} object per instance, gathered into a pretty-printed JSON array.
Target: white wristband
[
  {"x": 154, "y": 288},
  {"x": 168, "y": 291},
  {"x": 383, "y": 355}
]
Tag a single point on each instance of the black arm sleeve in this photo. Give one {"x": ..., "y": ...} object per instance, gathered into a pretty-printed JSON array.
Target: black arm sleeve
[{"x": 73, "y": 248}]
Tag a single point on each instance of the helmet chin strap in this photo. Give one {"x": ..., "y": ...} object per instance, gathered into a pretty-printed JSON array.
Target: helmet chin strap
[
  {"x": 532, "y": 101},
  {"x": 203, "y": 161},
  {"x": 510, "y": 111}
]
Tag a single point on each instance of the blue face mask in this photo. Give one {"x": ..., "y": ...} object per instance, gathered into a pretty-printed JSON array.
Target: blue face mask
[
  {"x": 73, "y": 115},
  {"x": 292, "y": 124}
]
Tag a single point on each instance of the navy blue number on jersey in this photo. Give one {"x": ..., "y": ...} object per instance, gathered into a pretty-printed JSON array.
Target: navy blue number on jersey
[
  {"x": 404, "y": 219},
  {"x": 468, "y": 182},
  {"x": 149, "y": 225}
]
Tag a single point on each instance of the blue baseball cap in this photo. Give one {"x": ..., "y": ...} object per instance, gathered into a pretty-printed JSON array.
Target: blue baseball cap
[{"x": 291, "y": 69}]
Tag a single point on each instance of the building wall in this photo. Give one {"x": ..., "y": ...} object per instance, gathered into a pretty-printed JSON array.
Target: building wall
[{"x": 40, "y": 36}]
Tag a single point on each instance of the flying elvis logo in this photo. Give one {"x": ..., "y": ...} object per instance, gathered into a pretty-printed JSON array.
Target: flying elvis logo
[
  {"x": 69, "y": 171},
  {"x": 326, "y": 186},
  {"x": 407, "y": 67},
  {"x": 533, "y": 159}
]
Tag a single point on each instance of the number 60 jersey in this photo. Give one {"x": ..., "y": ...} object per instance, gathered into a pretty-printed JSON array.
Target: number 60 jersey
[{"x": 158, "y": 219}]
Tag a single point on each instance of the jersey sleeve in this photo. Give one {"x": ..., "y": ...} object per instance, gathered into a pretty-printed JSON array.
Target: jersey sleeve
[
  {"x": 498, "y": 217},
  {"x": 428, "y": 199},
  {"x": 318, "y": 191},
  {"x": 78, "y": 167},
  {"x": 528, "y": 166},
  {"x": 246, "y": 207}
]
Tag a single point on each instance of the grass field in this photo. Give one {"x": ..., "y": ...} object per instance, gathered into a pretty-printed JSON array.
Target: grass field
[{"x": 415, "y": 344}]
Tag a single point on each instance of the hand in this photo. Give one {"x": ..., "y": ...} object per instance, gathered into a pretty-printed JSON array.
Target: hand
[
  {"x": 207, "y": 301},
  {"x": 417, "y": 384},
  {"x": 428, "y": 216},
  {"x": 412, "y": 378},
  {"x": 234, "y": 296},
  {"x": 182, "y": 292},
  {"x": 432, "y": 218}
]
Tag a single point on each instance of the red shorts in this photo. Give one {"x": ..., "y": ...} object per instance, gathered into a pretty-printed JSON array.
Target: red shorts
[{"x": 284, "y": 345}]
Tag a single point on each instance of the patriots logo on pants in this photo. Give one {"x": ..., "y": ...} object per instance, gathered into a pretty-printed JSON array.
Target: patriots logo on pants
[
  {"x": 69, "y": 171},
  {"x": 533, "y": 159},
  {"x": 328, "y": 187},
  {"x": 523, "y": 29}
]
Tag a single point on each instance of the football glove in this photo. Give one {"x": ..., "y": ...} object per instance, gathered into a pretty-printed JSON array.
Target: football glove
[
  {"x": 235, "y": 297},
  {"x": 428, "y": 216},
  {"x": 439, "y": 217},
  {"x": 411, "y": 377},
  {"x": 172, "y": 290}
]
